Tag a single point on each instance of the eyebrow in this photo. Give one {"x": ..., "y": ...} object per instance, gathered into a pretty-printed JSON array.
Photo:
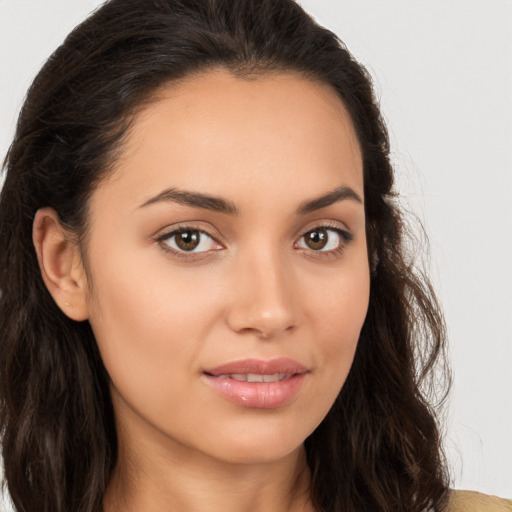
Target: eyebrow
[
  {"x": 338, "y": 194},
  {"x": 194, "y": 199}
]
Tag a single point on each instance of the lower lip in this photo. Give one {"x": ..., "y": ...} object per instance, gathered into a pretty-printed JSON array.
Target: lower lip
[{"x": 257, "y": 395}]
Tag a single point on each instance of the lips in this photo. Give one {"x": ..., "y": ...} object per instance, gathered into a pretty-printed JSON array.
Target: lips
[{"x": 255, "y": 383}]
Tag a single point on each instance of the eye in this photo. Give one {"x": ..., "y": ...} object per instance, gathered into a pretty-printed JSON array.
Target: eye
[
  {"x": 324, "y": 239},
  {"x": 188, "y": 240}
]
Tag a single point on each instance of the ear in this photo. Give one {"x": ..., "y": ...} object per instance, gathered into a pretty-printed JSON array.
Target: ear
[{"x": 60, "y": 262}]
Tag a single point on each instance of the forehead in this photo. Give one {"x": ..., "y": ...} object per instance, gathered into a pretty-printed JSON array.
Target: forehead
[{"x": 214, "y": 132}]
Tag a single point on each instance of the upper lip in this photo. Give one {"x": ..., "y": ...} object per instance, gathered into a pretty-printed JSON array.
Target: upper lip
[{"x": 259, "y": 366}]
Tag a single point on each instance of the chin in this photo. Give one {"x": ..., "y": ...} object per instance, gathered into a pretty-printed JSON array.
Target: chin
[{"x": 257, "y": 444}]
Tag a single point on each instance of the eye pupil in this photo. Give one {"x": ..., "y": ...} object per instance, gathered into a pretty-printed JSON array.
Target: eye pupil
[
  {"x": 188, "y": 240},
  {"x": 316, "y": 239}
]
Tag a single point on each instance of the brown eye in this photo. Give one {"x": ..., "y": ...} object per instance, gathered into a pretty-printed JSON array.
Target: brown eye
[
  {"x": 324, "y": 239},
  {"x": 188, "y": 240},
  {"x": 316, "y": 239}
]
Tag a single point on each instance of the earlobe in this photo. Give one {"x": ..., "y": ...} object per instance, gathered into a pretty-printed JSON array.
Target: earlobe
[{"x": 60, "y": 263}]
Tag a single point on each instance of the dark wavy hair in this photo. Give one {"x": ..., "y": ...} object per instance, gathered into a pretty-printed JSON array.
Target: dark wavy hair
[{"x": 379, "y": 448}]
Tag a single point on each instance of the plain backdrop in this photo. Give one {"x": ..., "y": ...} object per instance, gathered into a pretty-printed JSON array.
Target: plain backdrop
[{"x": 443, "y": 73}]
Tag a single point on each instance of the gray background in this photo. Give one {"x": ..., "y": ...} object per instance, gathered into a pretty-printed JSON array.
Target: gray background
[{"x": 443, "y": 73}]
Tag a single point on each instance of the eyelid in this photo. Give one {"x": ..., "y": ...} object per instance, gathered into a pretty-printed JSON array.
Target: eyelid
[
  {"x": 201, "y": 226},
  {"x": 326, "y": 224}
]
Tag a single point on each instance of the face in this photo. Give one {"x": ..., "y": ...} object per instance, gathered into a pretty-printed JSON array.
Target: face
[{"x": 227, "y": 266}]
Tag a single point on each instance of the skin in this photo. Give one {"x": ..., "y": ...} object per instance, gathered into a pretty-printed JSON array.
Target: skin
[{"x": 254, "y": 289}]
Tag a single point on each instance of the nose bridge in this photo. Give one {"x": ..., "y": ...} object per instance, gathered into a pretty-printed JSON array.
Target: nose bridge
[{"x": 262, "y": 295}]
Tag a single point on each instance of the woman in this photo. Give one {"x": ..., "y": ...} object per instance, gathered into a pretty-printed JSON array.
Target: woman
[{"x": 206, "y": 301}]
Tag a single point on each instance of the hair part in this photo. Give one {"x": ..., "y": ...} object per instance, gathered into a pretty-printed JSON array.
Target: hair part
[{"x": 379, "y": 447}]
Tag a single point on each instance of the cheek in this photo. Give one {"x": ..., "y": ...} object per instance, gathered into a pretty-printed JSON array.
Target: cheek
[
  {"x": 148, "y": 323},
  {"x": 341, "y": 299},
  {"x": 339, "y": 313}
]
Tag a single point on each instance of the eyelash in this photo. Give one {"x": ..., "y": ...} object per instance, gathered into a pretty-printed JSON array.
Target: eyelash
[{"x": 345, "y": 238}]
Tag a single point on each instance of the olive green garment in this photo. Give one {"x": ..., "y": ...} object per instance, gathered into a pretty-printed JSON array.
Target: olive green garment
[{"x": 470, "y": 501}]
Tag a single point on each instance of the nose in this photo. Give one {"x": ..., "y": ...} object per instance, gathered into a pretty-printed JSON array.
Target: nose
[{"x": 262, "y": 296}]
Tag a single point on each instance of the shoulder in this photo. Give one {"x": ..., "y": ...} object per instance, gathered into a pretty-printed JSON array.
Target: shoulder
[{"x": 470, "y": 501}]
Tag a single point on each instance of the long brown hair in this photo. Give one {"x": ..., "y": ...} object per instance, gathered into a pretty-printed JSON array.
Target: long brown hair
[{"x": 379, "y": 447}]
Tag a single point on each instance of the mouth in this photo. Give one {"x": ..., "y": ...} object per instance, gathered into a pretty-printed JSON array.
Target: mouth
[{"x": 258, "y": 384}]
